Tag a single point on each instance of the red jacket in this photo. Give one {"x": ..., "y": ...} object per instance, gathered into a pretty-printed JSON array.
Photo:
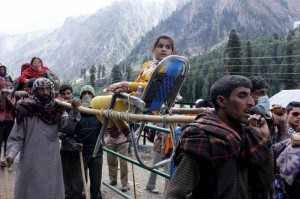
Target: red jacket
[{"x": 31, "y": 73}]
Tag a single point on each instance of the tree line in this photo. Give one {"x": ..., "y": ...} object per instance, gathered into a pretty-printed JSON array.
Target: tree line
[{"x": 275, "y": 57}]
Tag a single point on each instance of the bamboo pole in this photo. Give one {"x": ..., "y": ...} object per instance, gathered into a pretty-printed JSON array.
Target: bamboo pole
[
  {"x": 87, "y": 195},
  {"x": 189, "y": 110},
  {"x": 131, "y": 116},
  {"x": 133, "y": 176},
  {"x": 6, "y": 182}
]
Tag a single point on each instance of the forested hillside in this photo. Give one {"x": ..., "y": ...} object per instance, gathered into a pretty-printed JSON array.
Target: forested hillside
[{"x": 276, "y": 57}]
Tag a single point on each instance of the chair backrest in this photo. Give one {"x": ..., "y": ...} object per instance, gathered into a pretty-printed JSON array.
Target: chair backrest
[{"x": 162, "y": 88}]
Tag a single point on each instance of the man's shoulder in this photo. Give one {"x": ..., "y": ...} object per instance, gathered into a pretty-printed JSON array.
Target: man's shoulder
[{"x": 191, "y": 130}]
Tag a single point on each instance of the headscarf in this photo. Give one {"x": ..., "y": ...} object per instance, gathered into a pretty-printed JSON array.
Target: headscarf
[
  {"x": 43, "y": 82},
  {"x": 47, "y": 111},
  {"x": 4, "y": 74},
  {"x": 5, "y": 79}
]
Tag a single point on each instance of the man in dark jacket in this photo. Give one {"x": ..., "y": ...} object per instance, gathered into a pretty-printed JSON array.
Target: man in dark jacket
[
  {"x": 86, "y": 133},
  {"x": 215, "y": 152},
  {"x": 66, "y": 149},
  {"x": 277, "y": 126},
  {"x": 276, "y": 121}
]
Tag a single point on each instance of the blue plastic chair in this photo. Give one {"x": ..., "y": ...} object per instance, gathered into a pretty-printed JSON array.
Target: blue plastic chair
[{"x": 159, "y": 95}]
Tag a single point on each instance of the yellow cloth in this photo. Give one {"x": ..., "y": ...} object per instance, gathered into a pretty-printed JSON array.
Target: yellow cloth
[
  {"x": 102, "y": 102},
  {"x": 143, "y": 77}
]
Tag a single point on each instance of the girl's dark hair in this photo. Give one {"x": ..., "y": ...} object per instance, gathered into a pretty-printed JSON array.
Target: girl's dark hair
[
  {"x": 164, "y": 37},
  {"x": 31, "y": 62}
]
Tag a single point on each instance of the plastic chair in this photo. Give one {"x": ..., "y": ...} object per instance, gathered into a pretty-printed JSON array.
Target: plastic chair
[{"x": 159, "y": 95}]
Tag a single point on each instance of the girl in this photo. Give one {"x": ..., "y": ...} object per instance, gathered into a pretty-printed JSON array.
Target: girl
[{"x": 118, "y": 130}]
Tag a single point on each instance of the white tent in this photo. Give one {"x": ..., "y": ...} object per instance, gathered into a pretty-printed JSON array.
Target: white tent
[{"x": 284, "y": 97}]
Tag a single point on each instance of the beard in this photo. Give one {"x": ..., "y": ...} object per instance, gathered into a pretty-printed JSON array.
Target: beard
[{"x": 44, "y": 99}]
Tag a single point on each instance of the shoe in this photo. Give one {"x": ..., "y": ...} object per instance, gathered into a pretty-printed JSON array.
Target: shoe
[
  {"x": 110, "y": 140},
  {"x": 125, "y": 188},
  {"x": 154, "y": 190},
  {"x": 112, "y": 183}
]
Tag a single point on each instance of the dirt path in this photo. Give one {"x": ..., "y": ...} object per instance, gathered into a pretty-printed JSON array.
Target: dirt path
[{"x": 141, "y": 177}]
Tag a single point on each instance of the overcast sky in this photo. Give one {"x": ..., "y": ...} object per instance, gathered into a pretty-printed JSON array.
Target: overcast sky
[{"x": 17, "y": 16}]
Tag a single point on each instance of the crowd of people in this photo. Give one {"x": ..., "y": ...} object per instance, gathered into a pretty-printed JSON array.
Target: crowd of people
[{"x": 242, "y": 148}]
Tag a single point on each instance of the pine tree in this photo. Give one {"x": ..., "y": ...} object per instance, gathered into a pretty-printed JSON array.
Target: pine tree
[
  {"x": 99, "y": 72},
  {"x": 92, "y": 75},
  {"x": 248, "y": 62},
  {"x": 116, "y": 75},
  {"x": 289, "y": 71},
  {"x": 233, "y": 51},
  {"x": 103, "y": 71},
  {"x": 81, "y": 72},
  {"x": 263, "y": 68},
  {"x": 190, "y": 92},
  {"x": 128, "y": 73},
  {"x": 198, "y": 85},
  {"x": 275, "y": 50},
  {"x": 84, "y": 74},
  {"x": 184, "y": 90}
]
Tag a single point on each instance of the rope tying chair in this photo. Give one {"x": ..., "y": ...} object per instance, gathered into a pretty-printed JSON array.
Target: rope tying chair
[{"x": 158, "y": 96}]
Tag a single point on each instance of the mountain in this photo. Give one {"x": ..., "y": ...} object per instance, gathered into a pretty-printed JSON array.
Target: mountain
[
  {"x": 124, "y": 32},
  {"x": 105, "y": 37},
  {"x": 201, "y": 24}
]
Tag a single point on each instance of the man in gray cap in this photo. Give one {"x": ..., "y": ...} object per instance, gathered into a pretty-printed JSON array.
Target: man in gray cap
[{"x": 86, "y": 133}]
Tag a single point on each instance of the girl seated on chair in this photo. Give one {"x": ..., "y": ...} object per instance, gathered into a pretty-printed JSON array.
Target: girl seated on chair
[{"x": 118, "y": 130}]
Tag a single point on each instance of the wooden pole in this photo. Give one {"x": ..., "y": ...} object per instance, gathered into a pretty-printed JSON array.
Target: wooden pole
[
  {"x": 6, "y": 182},
  {"x": 87, "y": 195},
  {"x": 130, "y": 116},
  {"x": 189, "y": 110},
  {"x": 133, "y": 176}
]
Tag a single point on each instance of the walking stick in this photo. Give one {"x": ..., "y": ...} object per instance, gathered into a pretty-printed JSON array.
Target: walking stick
[
  {"x": 6, "y": 182},
  {"x": 133, "y": 177},
  {"x": 87, "y": 195}
]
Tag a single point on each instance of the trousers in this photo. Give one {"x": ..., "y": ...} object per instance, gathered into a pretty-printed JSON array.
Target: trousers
[{"x": 112, "y": 162}]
